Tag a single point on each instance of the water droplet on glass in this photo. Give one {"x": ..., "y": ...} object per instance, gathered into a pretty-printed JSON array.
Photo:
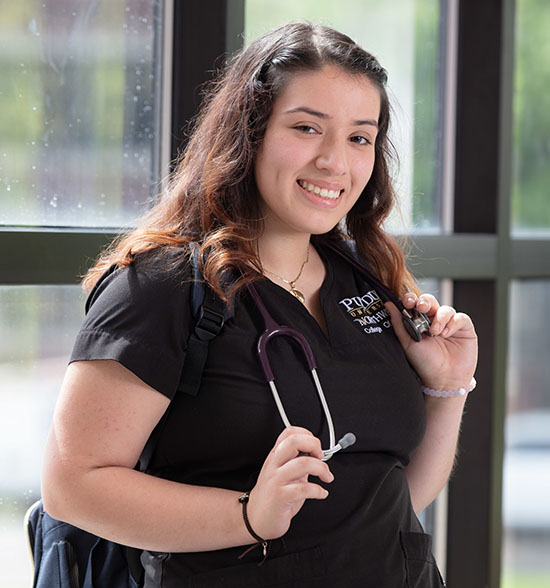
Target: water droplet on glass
[{"x": 34, "y": 108}]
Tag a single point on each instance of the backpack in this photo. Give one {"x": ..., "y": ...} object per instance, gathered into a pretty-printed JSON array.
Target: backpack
[{"x": 65, "y": 556}]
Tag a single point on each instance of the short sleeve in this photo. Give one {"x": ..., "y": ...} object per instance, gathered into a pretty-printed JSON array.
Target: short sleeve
[{"x": 139, "y": 316}]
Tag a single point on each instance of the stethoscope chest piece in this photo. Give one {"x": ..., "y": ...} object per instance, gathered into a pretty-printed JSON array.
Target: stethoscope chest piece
[{"x": 415, "y": 323}]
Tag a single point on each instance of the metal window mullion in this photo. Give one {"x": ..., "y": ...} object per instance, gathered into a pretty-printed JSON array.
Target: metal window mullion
[
  {"x": 449, "y": 8},
  {"x": 504, "y": 276}
]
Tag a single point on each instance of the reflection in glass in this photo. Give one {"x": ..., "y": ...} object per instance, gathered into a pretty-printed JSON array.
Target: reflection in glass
[
  {"x": 38, "y": 326},
  {"x": 406, "y": 41},
  {"x": 526, "y": 474},
  {"x": 531, "y": 147},
  {"x": 80, "y": 100}
]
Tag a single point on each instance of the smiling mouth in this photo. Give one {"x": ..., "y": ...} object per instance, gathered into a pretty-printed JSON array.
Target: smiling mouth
[{"x": 322, "y": 192}]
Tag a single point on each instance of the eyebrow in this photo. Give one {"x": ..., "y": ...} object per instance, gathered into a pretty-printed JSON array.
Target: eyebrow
[{"x": 324, "y": 116}]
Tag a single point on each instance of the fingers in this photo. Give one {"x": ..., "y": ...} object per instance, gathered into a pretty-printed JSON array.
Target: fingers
[
  {"x": 297, "y": 454},
  {"x": 426, "y": 303},
  {"x": 300, "y": 492},
  {"x": 442, "y": 321},
  {"x": 446, "y": 321},
  {"x": 297, "y": 468},
  {"x": 294, "y": 441}
]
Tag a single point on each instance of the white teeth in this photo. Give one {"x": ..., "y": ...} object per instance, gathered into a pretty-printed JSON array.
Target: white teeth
[{"x": 323, "y": 192}]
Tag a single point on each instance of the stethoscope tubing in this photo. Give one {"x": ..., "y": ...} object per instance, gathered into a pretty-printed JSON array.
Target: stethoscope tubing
[{"x": 272, "y": 330}]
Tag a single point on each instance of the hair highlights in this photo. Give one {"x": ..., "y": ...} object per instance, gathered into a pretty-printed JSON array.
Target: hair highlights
[{"x": 213, "y": 199}]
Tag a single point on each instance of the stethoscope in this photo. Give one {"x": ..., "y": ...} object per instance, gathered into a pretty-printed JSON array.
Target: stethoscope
[{"x": 415, "y": 323}]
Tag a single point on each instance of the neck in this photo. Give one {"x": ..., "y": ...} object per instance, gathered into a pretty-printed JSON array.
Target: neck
[{"x": 283, "y": 255}]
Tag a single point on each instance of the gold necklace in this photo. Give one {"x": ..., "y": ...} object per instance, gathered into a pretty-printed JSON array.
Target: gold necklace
[{"x": 292, "y": 283}]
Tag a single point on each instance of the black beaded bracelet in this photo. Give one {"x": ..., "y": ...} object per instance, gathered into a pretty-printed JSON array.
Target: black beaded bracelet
[{"x": 244, "y": 501}]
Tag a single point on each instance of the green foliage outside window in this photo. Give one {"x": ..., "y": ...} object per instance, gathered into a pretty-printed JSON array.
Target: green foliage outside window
[{"x": 531, "y": 171}]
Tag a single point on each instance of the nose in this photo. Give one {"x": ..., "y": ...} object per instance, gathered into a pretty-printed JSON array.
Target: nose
[{"x": 332, "y": 156}]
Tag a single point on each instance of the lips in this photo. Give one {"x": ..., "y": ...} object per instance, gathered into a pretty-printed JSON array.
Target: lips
[{"x": 318, "y": 191}]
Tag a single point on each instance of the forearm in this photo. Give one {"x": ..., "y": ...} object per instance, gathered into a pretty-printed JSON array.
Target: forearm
[
  {"x": 432, "y": 462},
  {"x": 142, "y": 511}
]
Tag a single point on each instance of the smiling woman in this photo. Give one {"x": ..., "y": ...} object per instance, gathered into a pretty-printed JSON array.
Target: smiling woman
[
  {"x": 279, "y": 198},
  {"x": 317, "y": 154}
]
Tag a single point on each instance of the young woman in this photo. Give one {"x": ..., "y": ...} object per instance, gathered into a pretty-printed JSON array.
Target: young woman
[{"x": 289, "y": 155}]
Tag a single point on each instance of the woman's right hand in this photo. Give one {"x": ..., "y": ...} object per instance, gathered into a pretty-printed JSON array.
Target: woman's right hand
[{"x": 283, "y": 485}]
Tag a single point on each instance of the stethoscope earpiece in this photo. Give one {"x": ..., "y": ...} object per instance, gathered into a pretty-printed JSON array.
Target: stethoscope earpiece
[{"x": 346, "y": 441}]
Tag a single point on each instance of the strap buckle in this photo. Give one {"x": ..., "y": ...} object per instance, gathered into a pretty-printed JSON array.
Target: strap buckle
[{"x": 209, "y": 324}]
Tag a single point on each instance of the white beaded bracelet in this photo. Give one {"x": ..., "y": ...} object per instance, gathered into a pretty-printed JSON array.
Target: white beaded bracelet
[{"x": 449, "y": 393}]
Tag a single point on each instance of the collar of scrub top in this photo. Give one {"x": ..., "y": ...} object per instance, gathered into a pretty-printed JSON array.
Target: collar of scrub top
[
  {"x": 416, "y": 323},
  {"x": 272, "y": 330}
]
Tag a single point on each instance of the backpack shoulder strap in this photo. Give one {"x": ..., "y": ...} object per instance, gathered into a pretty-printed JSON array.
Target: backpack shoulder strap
[{"x": 209, "y": 313}]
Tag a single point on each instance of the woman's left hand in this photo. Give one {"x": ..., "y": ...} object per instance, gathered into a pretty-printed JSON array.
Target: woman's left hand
[{"x": 445, "y": 359}]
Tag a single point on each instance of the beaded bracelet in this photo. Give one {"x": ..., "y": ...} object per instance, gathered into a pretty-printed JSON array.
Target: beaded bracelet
[{"x": 449, "y": 393}]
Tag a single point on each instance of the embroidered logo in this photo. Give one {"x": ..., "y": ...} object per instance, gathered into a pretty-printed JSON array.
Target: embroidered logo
[{"x": 368, "y": 311}]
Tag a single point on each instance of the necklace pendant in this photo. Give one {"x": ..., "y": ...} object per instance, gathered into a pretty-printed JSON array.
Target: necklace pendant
[{"x": 297, "y": 294}]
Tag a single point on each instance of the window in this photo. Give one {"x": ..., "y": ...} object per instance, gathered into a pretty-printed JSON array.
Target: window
[
  {"x": 80, "y": 95},
  {"x": 531, "y": 156},
  {"x": 526, "y": 476},
  {"x": 526, "y": 473},
  {"x": 80, "y": 104}
]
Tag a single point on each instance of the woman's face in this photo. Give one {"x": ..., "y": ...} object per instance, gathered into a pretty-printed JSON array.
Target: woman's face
[{"x": 317, "y": 154}]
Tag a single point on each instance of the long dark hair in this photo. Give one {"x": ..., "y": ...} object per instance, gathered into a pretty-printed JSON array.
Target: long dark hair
[{"x": 213, "y": 199}]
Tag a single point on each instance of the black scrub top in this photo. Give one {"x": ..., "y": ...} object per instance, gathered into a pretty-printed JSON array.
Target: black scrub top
[{"x": 365, "y": 534}]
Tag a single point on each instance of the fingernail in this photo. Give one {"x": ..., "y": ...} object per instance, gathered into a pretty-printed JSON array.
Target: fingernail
[
  {"x": 326, "y": 492},
  {"x": 445, "y": 332},
  {"x": 410, "y": 299},
  {"x": 435, "y": 328}
]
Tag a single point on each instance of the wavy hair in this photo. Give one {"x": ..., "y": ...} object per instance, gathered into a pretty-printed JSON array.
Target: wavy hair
[{"x": 212, "y": 199}]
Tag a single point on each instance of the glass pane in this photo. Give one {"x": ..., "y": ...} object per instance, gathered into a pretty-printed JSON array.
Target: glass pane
[
  {"x": 404, "y": 35},
  {"x": 531, "y": 150},
  {"x": 38, "y": 326},
  {"x": 80, "y": 103},
  {"x": 526, "y": 483}
]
